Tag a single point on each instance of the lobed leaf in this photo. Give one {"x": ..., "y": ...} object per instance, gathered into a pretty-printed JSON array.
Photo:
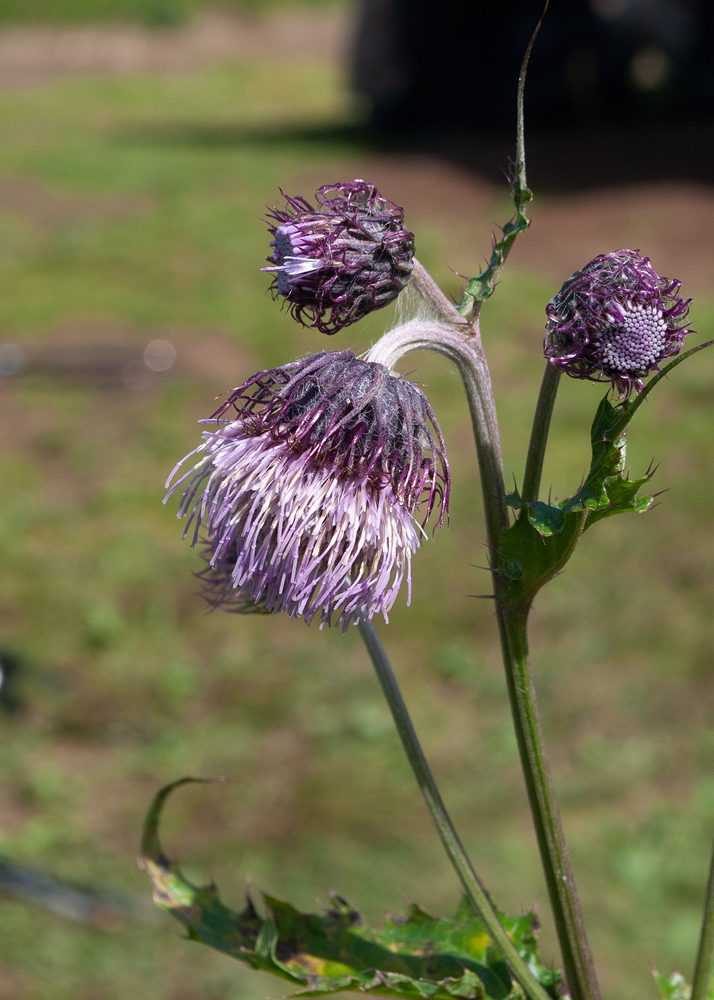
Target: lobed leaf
[
  {"x": 544, "y": 536},
  {"x": 417, "y": 957}
]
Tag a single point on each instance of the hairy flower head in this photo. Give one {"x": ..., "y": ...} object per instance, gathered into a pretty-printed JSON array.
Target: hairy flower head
[
  {"x": 336, "y": 262},
  {"x": 308, "y": 485},
  {"x": 615, "y": 321}
]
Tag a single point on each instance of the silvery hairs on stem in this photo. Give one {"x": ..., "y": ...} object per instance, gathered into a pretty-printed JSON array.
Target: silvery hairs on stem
[{"x": 616, "y": 320}]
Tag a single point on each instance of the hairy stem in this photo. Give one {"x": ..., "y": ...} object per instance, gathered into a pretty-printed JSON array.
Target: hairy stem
[
  {"x": 704, "y": 964},
  {"x": 470, "y": 882},
  {"x": 539, "y": 433},
  {"x": 462, "y": 344}
]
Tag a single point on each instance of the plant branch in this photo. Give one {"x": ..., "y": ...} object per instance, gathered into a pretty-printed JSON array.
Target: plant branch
[
  {"x": 466, "y": 351},
  {"x": 539, "y": 433},
  {"x": 470, "y": 882},
  {"x": 462, "y": 345}
]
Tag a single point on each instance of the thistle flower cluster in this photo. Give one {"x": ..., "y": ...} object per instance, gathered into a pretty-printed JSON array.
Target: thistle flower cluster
[
  {"x": 337, "y": 262},
  {"x": 616, "y": 320},
  {"x": 307, "y": 487}
]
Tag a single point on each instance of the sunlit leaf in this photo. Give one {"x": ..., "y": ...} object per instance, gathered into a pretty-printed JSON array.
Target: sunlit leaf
[
  {"x": 544, "y": 535},
  {"x": 417, "y": 956}
]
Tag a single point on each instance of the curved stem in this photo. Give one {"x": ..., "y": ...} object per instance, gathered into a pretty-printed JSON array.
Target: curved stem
[
  {"x": 463, "y": 346},
  {"x": 539, "y": 433},
  {"x": 704, "y": 965},
  {"x": 470, "y": 882},
  {"x": 432, "y": 295}
]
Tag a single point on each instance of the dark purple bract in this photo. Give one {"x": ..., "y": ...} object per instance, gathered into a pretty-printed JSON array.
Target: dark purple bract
[
  {"x": 615, "y": 321},
  {"x": 337, "y": 262},
  {"x": 308, "y": 485}
]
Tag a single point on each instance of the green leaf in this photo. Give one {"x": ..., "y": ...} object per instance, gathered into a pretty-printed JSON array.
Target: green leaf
[
  {"x": 543, "y": 538},
  {"x": 418, "y": 956},
  {"x": 672, "y": 987}
]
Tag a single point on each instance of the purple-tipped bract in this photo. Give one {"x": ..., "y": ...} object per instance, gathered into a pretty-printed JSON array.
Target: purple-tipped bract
[
  {"x": 615, "y": 321},
  {"x": 308, "y": 490},
  {"x": 337, "y": 262}
]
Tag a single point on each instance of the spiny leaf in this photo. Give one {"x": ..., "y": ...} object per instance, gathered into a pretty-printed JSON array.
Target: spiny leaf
[
  {"x": 419, "y": 957},
  {"x": 544, "y": 535}
]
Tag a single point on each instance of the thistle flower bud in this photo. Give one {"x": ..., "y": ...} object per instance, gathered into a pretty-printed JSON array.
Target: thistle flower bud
[
  {"x": 308, "y": 488},
  {"x": 339, "y": 261},
  {"x": 615, "y": 321}
]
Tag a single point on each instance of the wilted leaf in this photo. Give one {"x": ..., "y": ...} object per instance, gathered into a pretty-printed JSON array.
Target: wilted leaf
[{"x": 417, "y": 957}]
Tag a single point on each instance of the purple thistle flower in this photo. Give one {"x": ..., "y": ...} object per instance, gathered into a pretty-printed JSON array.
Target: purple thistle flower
[
  {"x": 308, "y": 490},
  {"x": 339, "y": 261},
  {"x": 615, "y": 321}
]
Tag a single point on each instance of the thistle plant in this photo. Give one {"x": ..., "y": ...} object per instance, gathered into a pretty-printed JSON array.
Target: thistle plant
[
  {"x": 336, "y": 263},
  {"x": 310, "y": 493},
  {"x": 308, "y": 497}
]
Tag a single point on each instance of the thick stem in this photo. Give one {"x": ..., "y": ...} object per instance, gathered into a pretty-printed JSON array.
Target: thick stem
[
  {"x": 560, "y": 880},
  {"x": 705, "y": 954},
  {"x": 463, "y": 346},
  {"x": 470, "y": 882},
  {"x": 539, "y": 433}
]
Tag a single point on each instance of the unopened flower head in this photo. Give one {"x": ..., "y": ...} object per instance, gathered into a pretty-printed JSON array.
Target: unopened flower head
[
  {"x": 337, "y": 262},
  {"x": 308, "y": 485},
  {"x": 615, "y": 321}
]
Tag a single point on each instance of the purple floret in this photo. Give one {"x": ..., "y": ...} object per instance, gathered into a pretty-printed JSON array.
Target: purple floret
[
  {"x": 615, "y": 321},
  {"x": 335, "y": 263},
  {"x": 308, "y": 492}
]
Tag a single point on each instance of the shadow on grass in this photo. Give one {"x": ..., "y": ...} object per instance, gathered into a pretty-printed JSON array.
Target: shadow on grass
[{"x": 559, "y": 159}]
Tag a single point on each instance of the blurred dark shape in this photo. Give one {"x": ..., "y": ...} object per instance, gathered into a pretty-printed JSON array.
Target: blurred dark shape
[
  {"x": 97, "y": 908},
  {"x": 10, "y": 673},
  {"x": 127, "y": 366},
  {"x": 426, "y": 66}
]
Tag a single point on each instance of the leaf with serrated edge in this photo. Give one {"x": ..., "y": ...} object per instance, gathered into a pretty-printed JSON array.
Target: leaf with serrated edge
[
  {"x": 544, "y": 536},
  {"x": 419, "y": 957}
]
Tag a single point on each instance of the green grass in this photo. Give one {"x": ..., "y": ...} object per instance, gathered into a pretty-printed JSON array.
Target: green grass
[
  {"x": 153, "y": 13},
  {"x": 129, "y": 684}
]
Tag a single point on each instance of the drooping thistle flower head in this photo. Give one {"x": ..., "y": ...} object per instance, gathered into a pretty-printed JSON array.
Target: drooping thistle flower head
[
  {"x": 615, "y": 321},
  {"x": 313, "y": 485},
  {"x": 337, "y": 262}
]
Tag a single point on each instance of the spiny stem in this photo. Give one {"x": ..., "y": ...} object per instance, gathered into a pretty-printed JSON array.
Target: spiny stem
[
  {"x": 478, "y": 289},
  {"x": 539, "y": 433},
  {"x": 704, "y": 964},
  {"x": 470, "y": 882}
]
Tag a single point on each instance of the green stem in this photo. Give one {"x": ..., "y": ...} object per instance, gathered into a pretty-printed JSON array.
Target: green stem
[
  {"x": 539, "y": 433},
  {"x": 704, "y": 965},
  {"x": 560, "y": 880},
  {"x": 452, "y": 845},
  {"x": 462, "y": 344}
]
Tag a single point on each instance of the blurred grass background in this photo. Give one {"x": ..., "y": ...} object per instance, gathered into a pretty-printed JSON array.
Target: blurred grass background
[{"x": 130, "y": 209}]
